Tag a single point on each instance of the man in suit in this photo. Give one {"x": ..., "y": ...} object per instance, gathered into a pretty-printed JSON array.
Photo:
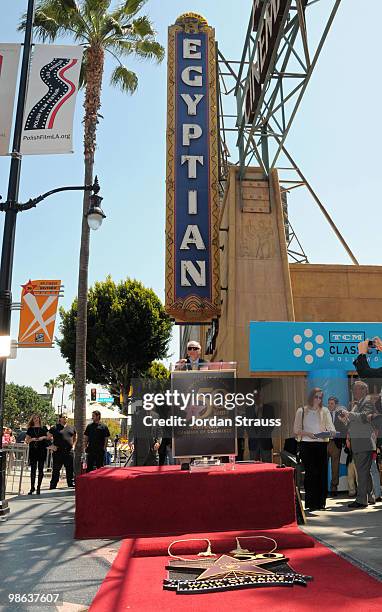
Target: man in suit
[
  {"x": 144, "y": 439},
  {"x": 193, "y": 360},
  {"x": 362, "y": 439},
  {"x": 260, "y": 443},
  {"x": 335, "y": 445}
]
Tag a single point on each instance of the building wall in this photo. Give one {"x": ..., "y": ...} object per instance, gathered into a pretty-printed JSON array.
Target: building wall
[
  {"x": 258, "y": 284},
  {"x": 336, "y": 292},
  {"x": 254, "y": 268}
]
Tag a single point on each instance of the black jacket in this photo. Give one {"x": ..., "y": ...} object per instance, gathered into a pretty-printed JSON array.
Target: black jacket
[
  {"x": 260, "y": 437},
  {"x": 364, "y": 370},
  {"x": 188, "y": 366}
]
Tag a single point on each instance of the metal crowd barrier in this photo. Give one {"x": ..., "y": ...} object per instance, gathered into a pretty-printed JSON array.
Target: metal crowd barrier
[{"x": 16, "y": 457}]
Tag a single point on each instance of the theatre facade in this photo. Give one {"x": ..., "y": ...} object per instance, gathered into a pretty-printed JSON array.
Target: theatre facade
[
  {"x": 227, "y": 263},
  {"x": 259, "y": 284}
]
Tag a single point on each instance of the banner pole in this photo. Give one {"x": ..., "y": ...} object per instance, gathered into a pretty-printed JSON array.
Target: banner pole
[{"x": 7, "y": 253}]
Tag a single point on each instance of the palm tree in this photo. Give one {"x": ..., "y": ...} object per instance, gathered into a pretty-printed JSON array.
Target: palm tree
[
  {"x": 72, "y": 396},
  {"x": 50, "y": 386},
  {"x": 63, "y": 380},
  {"x": 48, "y": 390},
  {"x": 122, "y": 33}
]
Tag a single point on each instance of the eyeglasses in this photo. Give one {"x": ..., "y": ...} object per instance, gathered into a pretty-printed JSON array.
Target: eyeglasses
[
  {"x": 193, "y": 348},
  {"x": 318, "y": 396}
]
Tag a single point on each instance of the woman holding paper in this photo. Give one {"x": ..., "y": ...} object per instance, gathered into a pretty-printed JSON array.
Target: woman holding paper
[{"x": 310, "y": 426}]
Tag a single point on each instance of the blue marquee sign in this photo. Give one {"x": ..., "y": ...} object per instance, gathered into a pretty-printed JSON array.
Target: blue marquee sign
[
  {"x": 192, "y": 262},
  {"x": 304, "y": 347}
]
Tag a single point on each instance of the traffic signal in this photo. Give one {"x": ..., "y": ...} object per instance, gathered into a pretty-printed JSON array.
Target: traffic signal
[{"x": 93, "y": 395}]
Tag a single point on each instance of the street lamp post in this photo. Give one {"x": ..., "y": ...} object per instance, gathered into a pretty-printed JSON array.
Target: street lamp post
[
  {"x": 12, "y": 207},
  {"x": 10, "y": 229},
  {"x": 95, "y": 216}
]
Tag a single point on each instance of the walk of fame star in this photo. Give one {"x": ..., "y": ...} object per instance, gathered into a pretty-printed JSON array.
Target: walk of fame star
[{"x": 227, "y": 566}]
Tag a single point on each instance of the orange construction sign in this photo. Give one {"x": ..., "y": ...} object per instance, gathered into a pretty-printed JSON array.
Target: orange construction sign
[{"x": 39, "y": 301}]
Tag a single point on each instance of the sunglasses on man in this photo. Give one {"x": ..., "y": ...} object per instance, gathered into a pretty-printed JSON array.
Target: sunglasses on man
[{"x": 193, "y": 348}]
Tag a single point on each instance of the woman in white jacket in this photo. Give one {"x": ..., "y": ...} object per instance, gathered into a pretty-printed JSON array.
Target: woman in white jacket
[{"x": 313, "y": 419}]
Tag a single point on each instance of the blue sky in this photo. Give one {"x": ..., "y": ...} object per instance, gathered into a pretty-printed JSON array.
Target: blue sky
[{"x": 335, "y": 138}]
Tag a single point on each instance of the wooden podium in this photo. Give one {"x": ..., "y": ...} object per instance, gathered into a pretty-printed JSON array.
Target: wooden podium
[{"x": 204, "y": 420}]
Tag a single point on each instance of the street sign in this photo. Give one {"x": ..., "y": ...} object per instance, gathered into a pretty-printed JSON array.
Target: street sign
[{"x": 105, "y": 400}]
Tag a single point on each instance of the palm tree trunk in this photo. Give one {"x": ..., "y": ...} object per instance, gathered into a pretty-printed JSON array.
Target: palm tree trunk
[
  {"x": 94, "y": 72},
  {"x": 62, "y": 395}
]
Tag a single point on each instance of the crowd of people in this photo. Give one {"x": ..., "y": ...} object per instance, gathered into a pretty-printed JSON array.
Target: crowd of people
[
  {"x": 7, "y": 436},
  {"x": 59, "y": 440},
  {"x": 323, "y": 432}
]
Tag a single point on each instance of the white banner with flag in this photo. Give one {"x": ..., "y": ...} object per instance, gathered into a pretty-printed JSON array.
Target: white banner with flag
[
  {"x": 9, "y": 62},
  {"x": 51, "y": 99}
]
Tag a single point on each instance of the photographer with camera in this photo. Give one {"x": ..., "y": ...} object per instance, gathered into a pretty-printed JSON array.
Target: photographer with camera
[{"x": 362, "y": 364}]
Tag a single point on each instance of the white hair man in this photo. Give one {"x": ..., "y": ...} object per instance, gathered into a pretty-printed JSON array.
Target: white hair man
[
  {"x": 193, "y": 360},
  {"x": 362, "y": 439}
]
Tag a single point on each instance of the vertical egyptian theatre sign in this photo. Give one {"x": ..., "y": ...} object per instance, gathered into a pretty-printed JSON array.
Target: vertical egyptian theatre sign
[{"x": 192, "y": 230}]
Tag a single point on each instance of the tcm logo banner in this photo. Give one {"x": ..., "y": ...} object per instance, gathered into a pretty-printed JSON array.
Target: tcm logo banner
[
  {"x": 302, "y": 346},
  {"x": 9, "y": 61},
  {"x": 52, "y": 91},
  {"x": 192, "y": 231},
  {"x": 39, "y": 301}
]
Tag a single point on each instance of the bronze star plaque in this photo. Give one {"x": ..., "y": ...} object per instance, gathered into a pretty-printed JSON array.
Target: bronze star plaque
[{"x": 227, "y": 566}]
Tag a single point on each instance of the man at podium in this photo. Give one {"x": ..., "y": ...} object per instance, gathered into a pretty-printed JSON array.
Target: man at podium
[{"x": 193, "y": 361}]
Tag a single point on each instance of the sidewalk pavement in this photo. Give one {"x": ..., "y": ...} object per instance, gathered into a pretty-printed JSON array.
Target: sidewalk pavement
[
  {"x": 355, "y": 534},
  {"x": 39, "y": 554}
]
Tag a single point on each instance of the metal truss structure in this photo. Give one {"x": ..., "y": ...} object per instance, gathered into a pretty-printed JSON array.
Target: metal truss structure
[{"x": 261, "y": 134}]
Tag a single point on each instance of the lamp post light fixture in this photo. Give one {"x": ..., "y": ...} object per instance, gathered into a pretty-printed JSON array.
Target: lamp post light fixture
[
  {"x": 95, "y": 201},
  {"x": 95, "y": 214}
]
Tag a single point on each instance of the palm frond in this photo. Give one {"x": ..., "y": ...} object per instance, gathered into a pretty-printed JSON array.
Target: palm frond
[
  {"x": 95, "y": 7},
  {"x": 128, "y": 9},
  {"x": 125, "y": 79},
  {"x": 132, "y": 7},
  {"x": 46, "y": 28},
  {"x": 110, "y": 26},
  {"x": 57, "y": 17},
  {"x": 70, "y": 4},
  {"x": 143, "y": 49},
  {"x": 143, "y": 27},
  {"x": 149, "y": 50},
  {"x": 83, "y": 71},
  {"x": 120, "y": 47}
]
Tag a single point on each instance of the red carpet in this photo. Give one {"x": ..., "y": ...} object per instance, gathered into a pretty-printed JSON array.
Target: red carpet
[
  {"x": 156, "y": 501},
  {"x": 286, "y": 537},
  {"x": 254, "y": 499},
  {"x": 135, "y": 583}
]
